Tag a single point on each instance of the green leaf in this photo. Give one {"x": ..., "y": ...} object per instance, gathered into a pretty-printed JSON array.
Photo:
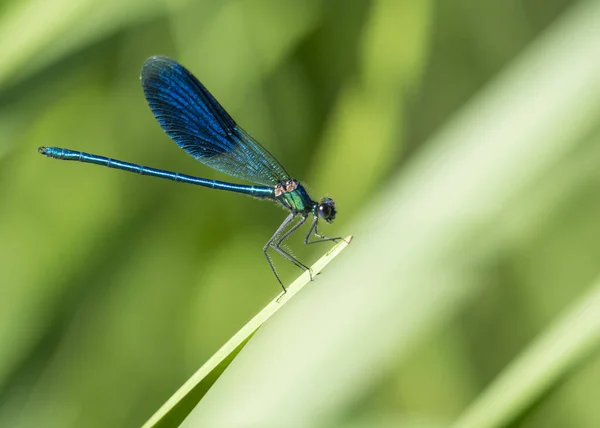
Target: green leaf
[
  {"x": 561, "y": 348},
  {"x": 176, "y": 409}
]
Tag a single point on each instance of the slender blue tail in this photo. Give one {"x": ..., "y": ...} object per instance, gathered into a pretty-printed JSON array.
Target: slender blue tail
[{"x": 72, "y": 155}]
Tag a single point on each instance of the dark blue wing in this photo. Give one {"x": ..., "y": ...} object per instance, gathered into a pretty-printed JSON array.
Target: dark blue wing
[{"x": 191, "y": 116}]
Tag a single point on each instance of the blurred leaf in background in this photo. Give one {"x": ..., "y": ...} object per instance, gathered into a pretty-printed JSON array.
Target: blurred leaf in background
[{"x": 115, "y": 288}]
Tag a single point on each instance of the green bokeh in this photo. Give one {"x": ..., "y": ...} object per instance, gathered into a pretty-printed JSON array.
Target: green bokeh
[{"x": 115, "y": 288}]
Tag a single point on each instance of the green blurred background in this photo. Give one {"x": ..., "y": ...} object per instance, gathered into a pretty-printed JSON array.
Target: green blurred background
[{"x": 115, "y": 288}]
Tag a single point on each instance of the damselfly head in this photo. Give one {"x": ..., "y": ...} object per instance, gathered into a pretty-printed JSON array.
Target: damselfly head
[{"x": 326, "y": 209}]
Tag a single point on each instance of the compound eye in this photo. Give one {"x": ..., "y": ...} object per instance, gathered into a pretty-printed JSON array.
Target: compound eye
[{"x": 325, "y": 210}]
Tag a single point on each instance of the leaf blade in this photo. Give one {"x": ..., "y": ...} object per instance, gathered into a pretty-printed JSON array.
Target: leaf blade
[{"x": 180, "y": 404}]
